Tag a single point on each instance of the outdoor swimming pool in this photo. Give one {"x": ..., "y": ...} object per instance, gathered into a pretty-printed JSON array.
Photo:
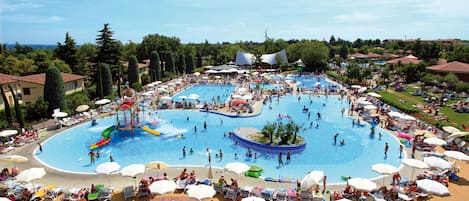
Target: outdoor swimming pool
[
  {"x": 354, "y": 159},
  {"x": 206, "y": 93}
]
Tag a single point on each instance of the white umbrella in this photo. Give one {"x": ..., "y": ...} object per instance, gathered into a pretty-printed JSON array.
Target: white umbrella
[
  {"x": 162, "y": 187},
  {"x": 133, "y": 170},
  {"x": 373, "y": 94},
  {"x": 434, "y": 141},
  {"x": 433, "y": 187},
  {"x": 384, "y": 169},
  {"x": 253, "y": 198},
  {"x": 217, "y": 77},
  {"x": 344, "y": 199},
  {"x": 200, "y": 191},
  {"x": 107, "y": 168},
  {"x": 15, "y": 159},
  {"x": 355, "y": 86},
  {"x": 408, "y": 117},
  {"x": 8, "y": 133},
  {"x": 237, "y": 167},
  {"x": 102, "y": 101},
  {"x": 60, "y": 114},
  {"x": 365, "y": 103},
  {"x": 247, "y": 97},
  {"x": 211, "y": 71},
  {"x": 4, "y": 199},
  {"x": 458, "y": 134},
  {"x": 182, "y": 97},
  {"x": 317, "y": 84},
  {"x": 162, "y": 89},
  {"x": 31, "y": 174},
  {"x": 311, "y": 179},
  {"x": 165, "y": 98},
  {"x": 242, "y": 89},
  {"x": 450, "y": 129},
  {"x": 196, "y": 73},
  {"x": 394, "y": 114},
  {"x": 361, "y": 90},
  {"x": 82, "y": 108},
  {"x": 370, "y": 107},
  {"x": 205, "y": 77},
  {"x": 457, "y": 155},
  {"x": 148, "y": 93},
  {"x": 236, "y": 96},
  {"x": 437, "y": 162},
  {"x": 414, "y": 163},
  {"x": 362, "y": 184}
]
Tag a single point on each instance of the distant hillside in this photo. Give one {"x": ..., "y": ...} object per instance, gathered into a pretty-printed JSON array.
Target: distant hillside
[{"x": 34, "y": 46}]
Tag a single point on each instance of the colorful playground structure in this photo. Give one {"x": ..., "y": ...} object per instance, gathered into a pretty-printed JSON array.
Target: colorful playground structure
[{"x": 129, "y": 116}]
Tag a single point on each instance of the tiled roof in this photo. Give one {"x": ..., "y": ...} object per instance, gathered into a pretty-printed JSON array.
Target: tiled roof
[
  {"x": 455, "y": 66},
  {"x": 41, "y": 78},
  {"x": 6, "y": 79}
]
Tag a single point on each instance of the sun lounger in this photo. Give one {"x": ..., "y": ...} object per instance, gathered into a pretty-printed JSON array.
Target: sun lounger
[
  {"x": 128, "y": 192},
  {"x": 67, "y": 196},
  {"x": 305, "y": 196},
  {"x": 281, "y": 196},
  {"x": 105, "y": 194},
  {"x": 181, "y": 184},
  {"x": 230, "y": 194},
  {"x": 268, "y": 194}
]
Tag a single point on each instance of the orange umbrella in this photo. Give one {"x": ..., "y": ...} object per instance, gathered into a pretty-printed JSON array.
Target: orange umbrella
[{"x": 238, "y": 101}]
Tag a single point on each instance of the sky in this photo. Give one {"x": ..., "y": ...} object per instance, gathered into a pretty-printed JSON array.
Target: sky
[{"x": 194, "y": 21}]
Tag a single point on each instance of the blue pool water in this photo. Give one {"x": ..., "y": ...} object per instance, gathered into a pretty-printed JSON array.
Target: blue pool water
[
  {"x": 207, "y": 93},
  {"x": 68, "y": 150}
]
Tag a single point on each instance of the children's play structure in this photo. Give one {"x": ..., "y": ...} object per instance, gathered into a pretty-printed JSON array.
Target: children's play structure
[{"x": 129, "y": 116}]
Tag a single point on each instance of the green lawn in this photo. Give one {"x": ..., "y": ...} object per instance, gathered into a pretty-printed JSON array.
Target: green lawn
[{"x": 455, "y": 119}]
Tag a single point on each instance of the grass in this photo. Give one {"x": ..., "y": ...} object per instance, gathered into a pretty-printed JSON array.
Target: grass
[{"x": 454, "y": 118}]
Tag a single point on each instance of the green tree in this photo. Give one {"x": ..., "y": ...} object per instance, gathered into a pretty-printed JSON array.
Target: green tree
[
  {"x": 61, "y": 65},
  {"x": 18, "y": 112},
  {"x": 343, "y": 51},
  {"x": 353, "y": 73},
  {"x": 181, "y": 64},
  {"x": 8, "y": 114},
  {"x": 54, "y": 91},
  {"x": 109, "y": 53},
  {"x": 190, "y": 66},
  {"x": 155, "y": 67},
  {"x": 169, "y": 66},
  {"x": 37, "y": 110},
  {"x": 68, "y": 53},
  {"x": 268, "y": 131},
  {"x": 99, "y": 82},
  {"x": 132, "y": 73},
  {"x": 106, "y": 79},
  {"x": 314, "y": 54},
  {"x": 199, "y": 60},
  {"x": 129, "y": 49}
]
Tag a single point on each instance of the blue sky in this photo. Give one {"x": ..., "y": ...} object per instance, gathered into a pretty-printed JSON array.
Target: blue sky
[{"x": 46, "y": 21}]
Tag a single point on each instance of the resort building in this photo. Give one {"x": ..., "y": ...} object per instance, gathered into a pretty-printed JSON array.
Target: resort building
[
  {"x": 460, "y": 69},
  {"x": 410, "y": 59},
  {"x": 269, "y": 60},
  {"x": 33, "y": 85},
  {"x": 9, "y": 80}
]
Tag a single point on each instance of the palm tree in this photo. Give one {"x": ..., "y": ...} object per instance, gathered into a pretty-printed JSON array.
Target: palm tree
[
  {"x": 268, "y": 130},
  {"x": 295, "y": 131}
]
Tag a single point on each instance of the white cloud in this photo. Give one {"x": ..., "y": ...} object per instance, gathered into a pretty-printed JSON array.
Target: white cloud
[
  {"x": 17, "y": 6},
  {"x": 356, "y": 17},
  {"x": 32, "y": 19}
]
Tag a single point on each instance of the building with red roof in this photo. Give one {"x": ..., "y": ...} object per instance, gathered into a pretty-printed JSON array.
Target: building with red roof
[{"x": 460, "y": 69}]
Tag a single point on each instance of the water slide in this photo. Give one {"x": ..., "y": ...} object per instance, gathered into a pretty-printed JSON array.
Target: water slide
[
  {"x": 106, "y": 138},
  {"x": 151, "y": 131}
]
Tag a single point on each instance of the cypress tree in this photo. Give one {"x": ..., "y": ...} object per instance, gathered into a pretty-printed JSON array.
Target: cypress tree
[
  {"x": 8, "y": 114},
  {"x": 106, "y": 79},
  {"x": 181, "y": 64},
  {"x": 132, "y": 73},
  {"x": 99, "y": 82},
  {"x": 199, "y": 60},
  {"x": 19, "y": 113},
  {"x": 155, "y": 67},
  {"x": 54, "y": 91},
  {"x": 109, "y": 53},
  {"x": 189, "y": 64},
  {"x": 169, "y": 67}
]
